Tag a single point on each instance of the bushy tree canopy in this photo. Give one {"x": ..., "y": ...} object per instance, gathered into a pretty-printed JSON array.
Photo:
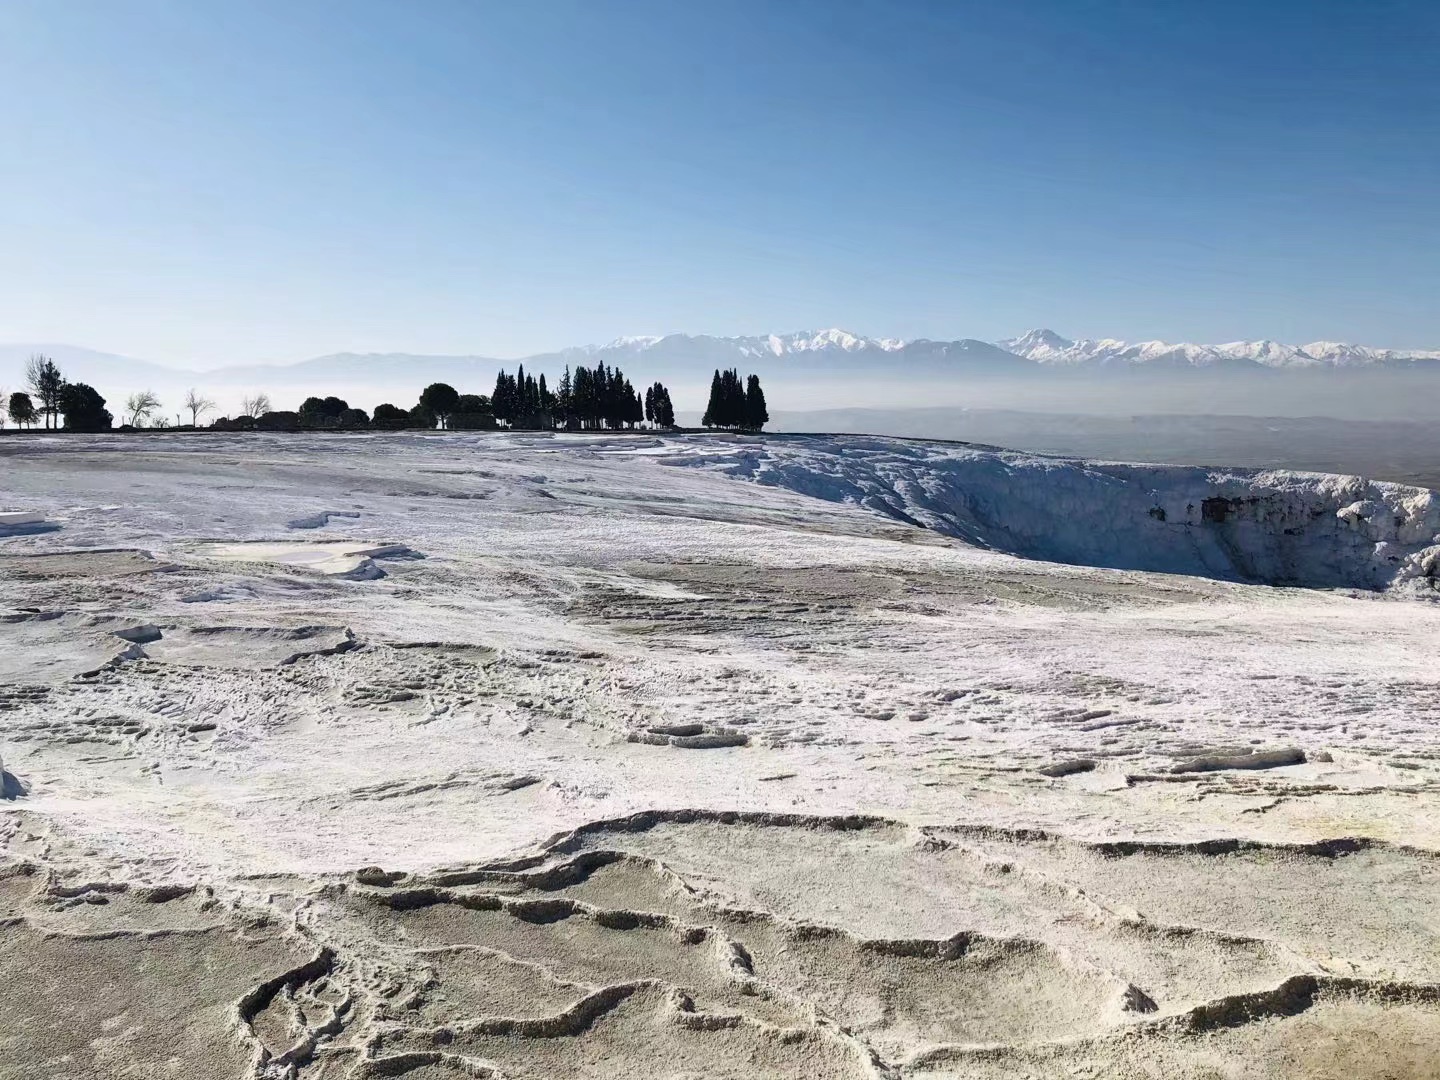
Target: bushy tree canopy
[
  {"x": 278, "y": 421},
  {"x": 390, "y": 416},
  {"x": 440, "y": 399},
  {"x": 322, "y": 412},
  {"x": 22, "y": 409},
  {"x": 84, "y": 408}
]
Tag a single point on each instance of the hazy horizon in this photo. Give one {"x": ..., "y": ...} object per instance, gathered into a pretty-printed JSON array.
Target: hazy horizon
[{"x": 802, "y": 383}]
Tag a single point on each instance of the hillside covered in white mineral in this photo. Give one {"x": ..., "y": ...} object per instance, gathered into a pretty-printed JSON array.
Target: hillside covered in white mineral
[{"x": 539, "y": 756}]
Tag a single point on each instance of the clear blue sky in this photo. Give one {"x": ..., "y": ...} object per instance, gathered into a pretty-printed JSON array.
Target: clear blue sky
[{"x": 204, "y": 182}]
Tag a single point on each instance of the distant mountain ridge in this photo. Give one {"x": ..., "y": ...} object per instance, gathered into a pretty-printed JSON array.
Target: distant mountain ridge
[
  {"x": 674, "y": 355},
  {"x": 1048, "y": 347},
  {"x": 1040, "y": 347}
]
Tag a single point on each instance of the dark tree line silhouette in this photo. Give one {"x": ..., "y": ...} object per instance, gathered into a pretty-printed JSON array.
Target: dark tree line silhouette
[
  {"x": 587, "y": 399},
  {"x": 658, "y": 408},
  {"x": 598, "y": 398},
  {"x": 522, "y": 401},
  {"x": 331, "y": 412},
  {"x": 733, "y": 405},
  {"x": 76, "y": 406}
]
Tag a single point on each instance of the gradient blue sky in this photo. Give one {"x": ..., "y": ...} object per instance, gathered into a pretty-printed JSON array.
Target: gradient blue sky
[{"x": 199, "y": 183}]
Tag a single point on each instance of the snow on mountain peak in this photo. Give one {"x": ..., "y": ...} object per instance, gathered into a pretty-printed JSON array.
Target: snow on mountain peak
[
  {"x": 634, "y": 341},
  {"x": 834, "y": 338},
  {"x": 1042, "y": 346},
  {"x": 1037, "y": 340},
  {"x": 1270, "y": 353},
  {"x": 1047, "y": 347},
  {"x": 1343, "y": 354}
]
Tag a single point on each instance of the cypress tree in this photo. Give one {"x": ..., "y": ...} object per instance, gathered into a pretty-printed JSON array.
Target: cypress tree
[
  {"x": 584, "y": 392},
  {"x": 714, "y": 408},
  {"x": 564, "y": 398},
  {"x": 727, "y": 400},
  {"x": 503, "y": 400},
  {"x": 756, "y": 415}
]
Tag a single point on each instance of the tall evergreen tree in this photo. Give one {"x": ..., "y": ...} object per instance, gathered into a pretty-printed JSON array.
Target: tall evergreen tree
[
  {"x": 46, "y": 383},
  {"x": 756, "y": 415},
  {"x": 715, "y": 407},
  {"x": 564, "y": 403},
  {"x": 664, "y": 409},
  {"x": 532, "y": 402},
  {"x": 727, "y": 401},
  {"x": 580, "y": 396},
  {"x": 504, "y": 400}
]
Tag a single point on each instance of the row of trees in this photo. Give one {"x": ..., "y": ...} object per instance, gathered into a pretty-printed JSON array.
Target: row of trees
[
  {"x": 733, "y": 405},
  {"x": 142, "y": 409},
  {"x": 50, "y": 398},
  {"x": 588, "y": 399},
  {"x": 658, "y": 408},
  {"x": 596, "y": 398},
  {"x": 523, "y": 401},
  {"x": 83, "y": 408}
]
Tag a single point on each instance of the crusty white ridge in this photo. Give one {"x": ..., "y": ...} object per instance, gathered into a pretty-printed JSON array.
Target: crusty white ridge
[{"x": 1278, "y": 528}]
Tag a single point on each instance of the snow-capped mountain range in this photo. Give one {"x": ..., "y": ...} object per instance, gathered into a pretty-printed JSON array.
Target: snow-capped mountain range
[
  {"x": 1048, "y": 347},
  {"x": 807, "y": 341},
  {"x": 1040, "y": 346}
]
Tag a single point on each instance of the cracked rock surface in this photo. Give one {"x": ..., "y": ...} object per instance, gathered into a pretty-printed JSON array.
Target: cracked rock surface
[{"x": 608, "y": 756}]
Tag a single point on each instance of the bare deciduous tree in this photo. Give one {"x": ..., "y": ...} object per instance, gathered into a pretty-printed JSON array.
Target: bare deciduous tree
[
  {"x": 258, "y": 405},
  {"x": 197, "y": 405},
  {"x": 140, "y": 406}
]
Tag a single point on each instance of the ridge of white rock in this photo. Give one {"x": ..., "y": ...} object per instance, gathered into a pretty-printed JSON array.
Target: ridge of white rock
[{"x": 1271, "y": 527}]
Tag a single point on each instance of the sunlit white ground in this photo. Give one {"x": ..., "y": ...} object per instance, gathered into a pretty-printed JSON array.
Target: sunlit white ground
[
  {"x": 569, "y": 757},
  {"x": 528, "y": 605}
]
